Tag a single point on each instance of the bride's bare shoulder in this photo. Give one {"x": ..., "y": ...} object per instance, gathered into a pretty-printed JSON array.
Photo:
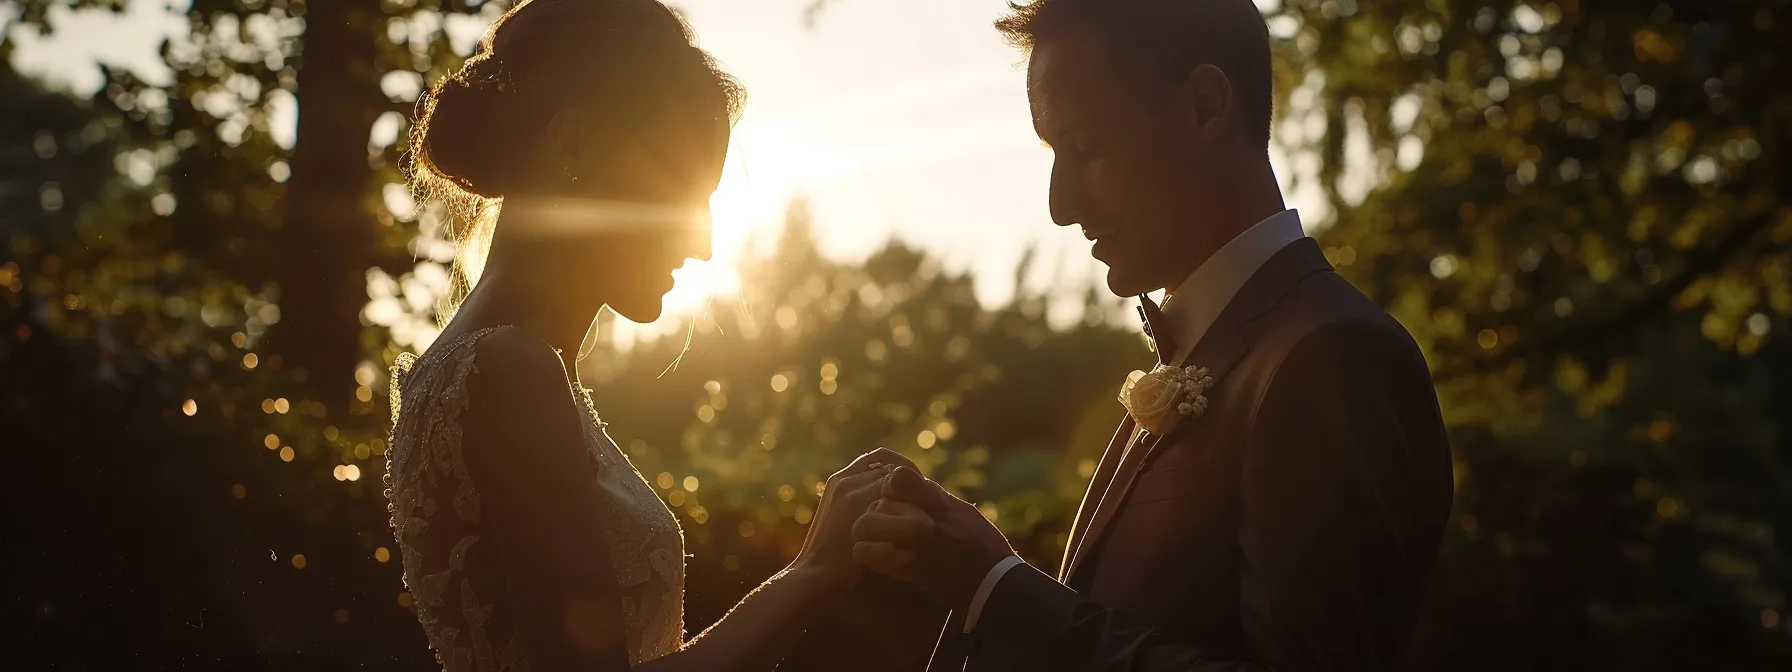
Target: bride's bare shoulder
[
  {"x": 523, "y": 428},
  {"x": 511, "y": 365},
  {"x": 514, "y": 348},
  {"x": 519, "y": 388}
]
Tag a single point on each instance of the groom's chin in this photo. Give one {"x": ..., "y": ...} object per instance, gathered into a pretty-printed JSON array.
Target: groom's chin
[{"x": 1123, "y": 286}]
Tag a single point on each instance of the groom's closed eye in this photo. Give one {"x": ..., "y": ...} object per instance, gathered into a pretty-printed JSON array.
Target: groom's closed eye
[
  {"x": 1073, "y": 141},
  {"x": 1084, "y": 144}
]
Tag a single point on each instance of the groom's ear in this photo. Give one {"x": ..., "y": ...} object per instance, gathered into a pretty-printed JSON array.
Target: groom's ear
[{"x": 1205, "y": 103}]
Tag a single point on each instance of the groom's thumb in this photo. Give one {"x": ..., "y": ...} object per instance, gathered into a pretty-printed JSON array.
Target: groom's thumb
[{"x": 908, "y": 485}]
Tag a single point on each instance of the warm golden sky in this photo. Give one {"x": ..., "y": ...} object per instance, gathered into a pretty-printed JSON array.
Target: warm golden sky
[{"x": 902, "y": 118}]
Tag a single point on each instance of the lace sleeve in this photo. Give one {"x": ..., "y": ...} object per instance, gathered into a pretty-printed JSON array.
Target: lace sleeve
[
  {"x": 523, "y": 567},
  {"x": 446, "y": 569}
]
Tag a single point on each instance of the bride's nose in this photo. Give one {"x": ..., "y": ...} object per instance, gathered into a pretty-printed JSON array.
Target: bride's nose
[
  {"x": 702, "y": 238},
  {"x": 704, "y": 247}
]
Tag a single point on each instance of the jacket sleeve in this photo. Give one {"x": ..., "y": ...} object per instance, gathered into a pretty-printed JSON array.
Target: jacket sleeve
[{"x": 1345, "y": 486}]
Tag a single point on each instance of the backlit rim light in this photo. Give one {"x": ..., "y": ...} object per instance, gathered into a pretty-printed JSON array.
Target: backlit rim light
[{"x": 586, "y": 217}]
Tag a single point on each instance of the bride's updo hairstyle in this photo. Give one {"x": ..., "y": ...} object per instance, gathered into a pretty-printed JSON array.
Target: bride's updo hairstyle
[{"x": 474, "y": 133}]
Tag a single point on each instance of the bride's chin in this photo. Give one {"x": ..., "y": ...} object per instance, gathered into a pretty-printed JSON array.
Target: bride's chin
[{"x": 639, "y": 312}]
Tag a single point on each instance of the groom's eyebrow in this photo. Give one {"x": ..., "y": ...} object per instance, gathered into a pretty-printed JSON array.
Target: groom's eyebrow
[
  {"x": 1050, "y": 120},
  {"x": 1037, "y": 101},
  {"x": 1044, "y": 118}
]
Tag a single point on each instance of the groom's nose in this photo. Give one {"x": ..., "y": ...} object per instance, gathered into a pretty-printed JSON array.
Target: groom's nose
[{"x": 1065, "y": 198}]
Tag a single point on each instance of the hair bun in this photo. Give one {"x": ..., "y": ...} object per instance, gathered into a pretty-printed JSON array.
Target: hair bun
[
  {"x": 463, "y": 140},
  {"x": 477, "y": 131}
]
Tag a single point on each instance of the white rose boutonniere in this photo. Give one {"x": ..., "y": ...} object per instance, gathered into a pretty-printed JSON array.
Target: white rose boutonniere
[{"x": 1160, "y": 399}]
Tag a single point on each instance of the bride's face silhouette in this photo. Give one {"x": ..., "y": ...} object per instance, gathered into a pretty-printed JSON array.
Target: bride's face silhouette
[{"x": 642, "y": 192}]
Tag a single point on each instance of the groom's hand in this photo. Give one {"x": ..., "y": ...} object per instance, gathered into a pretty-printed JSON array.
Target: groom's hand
[
  {"x": 827, "y": 548},
  {"x": 921, "y": 533}
]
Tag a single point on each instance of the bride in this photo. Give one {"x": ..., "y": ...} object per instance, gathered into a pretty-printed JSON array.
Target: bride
[{"x": 529, "y": 540}]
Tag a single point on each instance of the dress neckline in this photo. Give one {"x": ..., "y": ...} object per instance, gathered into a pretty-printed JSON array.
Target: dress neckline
[{"x": 407, "y": 360}]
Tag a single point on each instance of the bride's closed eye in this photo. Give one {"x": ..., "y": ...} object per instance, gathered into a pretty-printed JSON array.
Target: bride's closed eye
[{"x": 682, "y": 151}]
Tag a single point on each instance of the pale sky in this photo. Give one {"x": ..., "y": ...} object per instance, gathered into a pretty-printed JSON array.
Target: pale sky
[{"x": 904, "y": 118}]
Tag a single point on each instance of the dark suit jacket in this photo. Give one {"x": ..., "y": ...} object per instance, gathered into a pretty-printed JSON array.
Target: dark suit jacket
[
  {"x": 1290, "y": 527},
  {"x": 882, "y": 625}
]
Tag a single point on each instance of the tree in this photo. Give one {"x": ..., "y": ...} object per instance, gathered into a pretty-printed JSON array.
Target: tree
[
  {"x": 329, "y": 229},
  {"x": 300, "y": 219},
  {"x": 182, "y": 470},
  {"x": 1575, "y": 207},
  {"x": 1578, "y": 210}
]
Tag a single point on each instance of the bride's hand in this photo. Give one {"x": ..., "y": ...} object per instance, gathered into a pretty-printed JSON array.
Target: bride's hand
[{"x": 827, "y": 550}]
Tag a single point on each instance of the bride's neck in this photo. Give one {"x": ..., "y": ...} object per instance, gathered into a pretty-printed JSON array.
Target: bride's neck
[
  {"x": 537, "y": 289},
  {"x": 557, "y": 312}
]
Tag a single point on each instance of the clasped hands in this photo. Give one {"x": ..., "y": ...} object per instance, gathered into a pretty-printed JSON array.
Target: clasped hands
[
  {"x": 916, "y": 531},
  {"x": 879, "y": 513}
]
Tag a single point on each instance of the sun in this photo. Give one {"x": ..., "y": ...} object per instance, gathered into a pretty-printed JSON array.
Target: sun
[{"x": 768, "y": 162}]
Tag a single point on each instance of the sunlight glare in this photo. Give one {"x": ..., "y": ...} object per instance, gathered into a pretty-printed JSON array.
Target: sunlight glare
[{"x": 768, "y": 162}]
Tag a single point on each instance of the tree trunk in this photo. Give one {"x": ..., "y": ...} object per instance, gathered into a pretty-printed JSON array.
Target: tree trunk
[{"x": 329, "y": 227}]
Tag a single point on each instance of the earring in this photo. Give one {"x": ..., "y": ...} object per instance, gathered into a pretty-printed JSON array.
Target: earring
[{"x": 570, "y": 176}]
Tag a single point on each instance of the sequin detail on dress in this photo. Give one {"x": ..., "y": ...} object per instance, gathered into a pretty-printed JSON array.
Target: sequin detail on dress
[{"x": 454, "y": 580}]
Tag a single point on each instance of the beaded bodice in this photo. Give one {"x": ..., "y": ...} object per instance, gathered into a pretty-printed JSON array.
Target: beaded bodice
[{"x": 453, "y": 574}]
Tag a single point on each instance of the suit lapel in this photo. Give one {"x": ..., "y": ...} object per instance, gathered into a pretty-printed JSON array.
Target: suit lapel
[
  {"x": 1098, "y": 484},
  {"x": 1219, "y": 350},
  {"x": 1222, "y": 348}
]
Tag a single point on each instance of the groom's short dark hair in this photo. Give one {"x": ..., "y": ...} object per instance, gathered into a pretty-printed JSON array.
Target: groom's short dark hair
[{"x": 1164, "y": 40}]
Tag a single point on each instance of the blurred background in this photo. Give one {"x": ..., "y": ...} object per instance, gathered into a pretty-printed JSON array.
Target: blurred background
[{"x": 208, "y": 261}]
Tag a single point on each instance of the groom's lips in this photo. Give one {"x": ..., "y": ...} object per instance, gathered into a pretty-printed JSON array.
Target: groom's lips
[
  {"x": 1094, "y": 233},
  {"x": 1102, "y": 240}
]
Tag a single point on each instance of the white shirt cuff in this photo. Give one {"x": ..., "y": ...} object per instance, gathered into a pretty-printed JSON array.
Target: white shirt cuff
[{"x": 984, "y": 589}]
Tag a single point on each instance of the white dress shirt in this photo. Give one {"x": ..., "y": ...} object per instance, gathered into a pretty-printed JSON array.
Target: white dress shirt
[
  {"x": 1193, "y": 306},
  {"x": 1188, "y": 312}
]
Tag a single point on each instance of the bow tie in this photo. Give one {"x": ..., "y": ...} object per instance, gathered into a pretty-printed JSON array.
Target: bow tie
[{"x": 1156, "y": 329}]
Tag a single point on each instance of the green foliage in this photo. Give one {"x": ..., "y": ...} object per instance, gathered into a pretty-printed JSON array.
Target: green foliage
[
  {"x": 1576, "y": 207},
  {"x": 176, "y": 463}
]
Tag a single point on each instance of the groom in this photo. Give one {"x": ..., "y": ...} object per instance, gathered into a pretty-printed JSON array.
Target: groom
[{"x": 1279, "y": 508}]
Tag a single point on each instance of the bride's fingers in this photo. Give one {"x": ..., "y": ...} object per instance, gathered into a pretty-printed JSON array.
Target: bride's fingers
[
  {"x": 850, "y": 485},
  {"x": 850, "y": 496},
  {"x": 845, "y": 480},
  {"x": 882, "y": 457},
  {"x": 908, "y": 485}
]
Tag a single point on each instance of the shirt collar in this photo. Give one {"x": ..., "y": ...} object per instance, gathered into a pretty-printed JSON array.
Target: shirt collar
[{"x": 1191, "y": 309}]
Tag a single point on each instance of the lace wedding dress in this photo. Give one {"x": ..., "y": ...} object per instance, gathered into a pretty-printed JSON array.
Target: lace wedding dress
[{"x": 453, "y": 575}]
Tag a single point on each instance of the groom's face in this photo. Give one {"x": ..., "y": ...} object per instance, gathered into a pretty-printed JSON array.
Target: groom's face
[{"x": 1120, "y": 168}]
